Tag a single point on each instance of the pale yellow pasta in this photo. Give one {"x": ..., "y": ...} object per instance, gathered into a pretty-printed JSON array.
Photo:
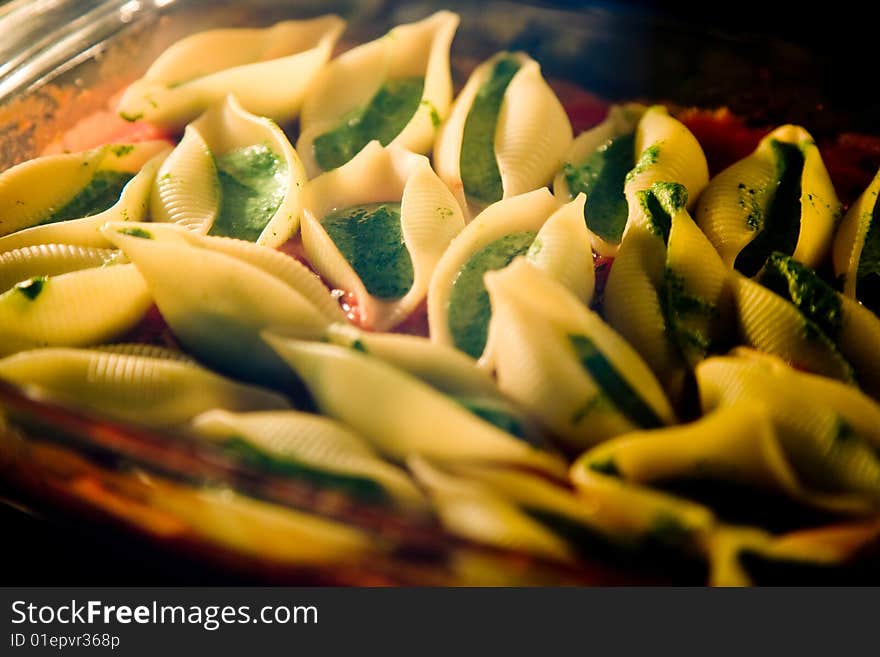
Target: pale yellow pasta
[
  {"x": 531, "y": 134},
  {"x": 560, "y": 361},
  {"x": 140, "y": 389},
  {"x": 784, "y": 176},
  {"x": 351, "y": 81},
  {"x": 270, "y": 70},
  {"x": 429, "y": 220}
]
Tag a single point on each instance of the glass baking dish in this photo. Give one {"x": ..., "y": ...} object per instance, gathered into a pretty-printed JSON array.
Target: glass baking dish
[{"x": 60, "y": 65}]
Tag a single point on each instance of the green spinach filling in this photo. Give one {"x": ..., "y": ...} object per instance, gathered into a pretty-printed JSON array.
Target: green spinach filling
[
  {"x": 469, "y": 308},
  {"x": 383, "y": 118},
  {"x": 614, "y": 387},
  {"x": 254, "y": 457},
  {"x": 478, "y": 164},
  {"x": 779, "y": 225},
  {"x": 868, "y": 272},
  {"x": 794, "y": 282},
  {"x": 100, "y": 194},
  {"x": 253, "y": 183},
  {"x": 370, "y": 238},
  {"x": 601, "y": 177}
]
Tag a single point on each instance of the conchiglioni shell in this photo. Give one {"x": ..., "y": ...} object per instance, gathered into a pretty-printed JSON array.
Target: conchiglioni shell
[
  {"x": 632, "y": 304},
  {"x": 187, "y": 189},
  {"x": 156, "y": 391},
  {"x": 269, "y": 69},
  {"x": 26, "y": 199},
  {"x": 429, "y": 219},
  {"x": 533, "y": 319},
  {"x": 621, "y": 120},
  {"x": 532, "y": 132},
  {"x": 850, "y": 238},
  {"x": 132, "y": 205},
  {"x": 398, "y": 413},
  {"x": 630, "y": 512},
  {"x": 859, "y": 342},
  {"x": 732, "y": 196},
  {"x": 76, "y": 309},
  {"x": 261, "y": 530},
  {"x": 224, "y": 300},
  {"x": 562, "y": 250},
  {"x": 735, "y": 443},
  {"x": 351, "y": 80},
  {"x": 666, "y": 151},
  {"x": 441, "y": 366},
  {"x": 478, "y": 513},
  {"x": 821, "y": 546},
  {"x": 826, "y": 449},
  {"x": 312, "y": 441},
  {"x": 146, "y": 351},
  {"x": 49, "y": 260},
  {"x": 527, "y": 212},
  {"x": 768, "y": 322}
]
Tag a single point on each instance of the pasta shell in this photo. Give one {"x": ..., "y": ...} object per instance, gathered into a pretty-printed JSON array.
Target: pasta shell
[
  {"x": 311, "y": 447},
  {"x": 668, "y": 300},
  {"x": 49, "y": 260},
  {"x": 233, "y": 174},
  {"x": 830, "y": 448},
  {"x": 637, "y": 515},
  {"x": 441, "y": 366},
  {"x": 232, "y": 291},
  {"x": 83, "y": 184},
  {"x": 855, "y": 247},
  {"x": 562, "y": 362},
  {"x": 860, "y": 343},
  {"x": 76, "y": 309},
  {"x": 768, "y": 322},
  {"x": 269, "y": 69},
  {"x": 736, "y": 444},
  {"x": 140, "y": 389},
  {"x": 667, "y": 152},
  {"x": 458, "y": 305},
  {"x": 399, "y": 414},
  {"x": 354, "y": 100},
  {"x": 375, "y": 267},
  {"x": 783, "y": 184},
  {"x": 603, "y": 141},
  {"x": 478, "y": 513},
  {"x": 530, "y": 133}
]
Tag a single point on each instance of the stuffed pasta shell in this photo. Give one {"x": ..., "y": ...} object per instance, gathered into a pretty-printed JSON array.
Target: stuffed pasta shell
[
  {"x": 396, "y": 89},
  {"x": 404, "y": 416},
  {"x": 269, "y": 70},
  {"x": 376, "y": 228},
  {"x": 667, "y": 291},
  {"x": 233, "y": 174},
  {"x": 85, "y": 184},
  {"x": 310, "y": 448},
  {"x": 217, "y": 294},
  {"x": 156, "y": 389},
  {"x": 828, "y": 430},
  {"x": 505, "y": 136},
  {"x": 559, "y": 360},
  {"x": 66, "y": 295},
  {"x": 791, "y": 312},
  {"x": 856, "y": 253},
  {"x": 736, "y": 445},
  {"x": 633, "y": 148},
  {"x": 551, "y": 236},
  {"x": 132, "y": 205},
  {"x": 779, "y": 198}
]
